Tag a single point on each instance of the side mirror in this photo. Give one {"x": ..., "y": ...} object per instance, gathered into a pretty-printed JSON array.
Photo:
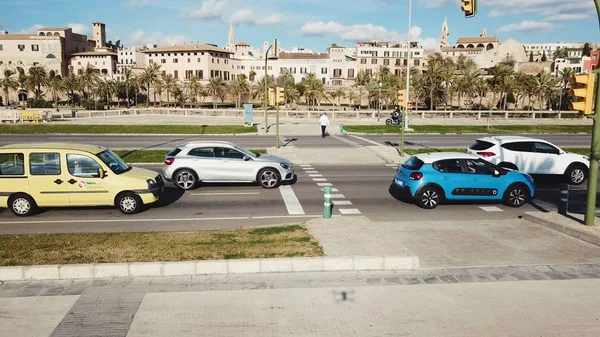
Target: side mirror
[
  {"x": 496, "y": 173},
  {"x": 246, "y": 158},
  {"x": 101, "y": 173}
]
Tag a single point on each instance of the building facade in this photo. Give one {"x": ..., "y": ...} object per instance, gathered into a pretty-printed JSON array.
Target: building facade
[
  {"x": 103, "y": 59},
  {"x": 132, "y": 57}
]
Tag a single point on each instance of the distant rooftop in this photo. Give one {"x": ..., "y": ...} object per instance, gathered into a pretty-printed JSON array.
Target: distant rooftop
[{"x": 187, "y": 48}]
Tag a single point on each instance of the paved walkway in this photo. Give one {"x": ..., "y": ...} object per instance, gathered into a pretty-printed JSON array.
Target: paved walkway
[{"x": 511, "y": 301}]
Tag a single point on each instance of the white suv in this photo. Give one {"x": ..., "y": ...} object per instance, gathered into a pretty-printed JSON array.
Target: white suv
[{"x": 533, "y": 156}]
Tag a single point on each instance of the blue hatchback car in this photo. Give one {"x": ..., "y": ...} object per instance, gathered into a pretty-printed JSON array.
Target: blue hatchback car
[{"x": 431, "y": 178}]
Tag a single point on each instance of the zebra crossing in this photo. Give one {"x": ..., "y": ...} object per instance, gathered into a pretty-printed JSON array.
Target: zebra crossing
[{"x": 337, "y": 198}]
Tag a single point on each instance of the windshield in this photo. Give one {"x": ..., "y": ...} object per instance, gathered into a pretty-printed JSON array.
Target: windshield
[
  {"x": 114, "y": 162},
  {"x": 248, "y": 152}
]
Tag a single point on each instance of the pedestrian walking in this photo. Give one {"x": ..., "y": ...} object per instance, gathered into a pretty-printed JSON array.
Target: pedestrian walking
[{"x": 324, "y": 121}]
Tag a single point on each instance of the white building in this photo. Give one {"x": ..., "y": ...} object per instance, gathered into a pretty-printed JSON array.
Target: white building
[
  {"x": 103, "y": 59},
  {"x": 342, "y": 65},
  {"x": 372, "y": 55},
  {"x": 132, "y": 57},
  {"x": 539, "y": 49}
]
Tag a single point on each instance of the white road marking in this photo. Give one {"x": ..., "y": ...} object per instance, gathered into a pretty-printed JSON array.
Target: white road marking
[
  {"x": 392, "y": 165},
  {"x": 319, "y": 179},
  {"x": 126, "y": 220},
  {"x": 366, "y": 140},
  {"x": 227, "y": 193},
  {"x": 304, "y": 165},
  {"x": 312, "y": 172},
  {"x": 347, "y": 141},
  {"x": 337, "y": 196},
  {"x": 349, "y": 211},
  {"x": 316, "y": 175},
  {"x": 324, "y": 184},
  {"x": 490, "y": 208},
  {"x": 334, "y": 190},
  {"x": 342, "y": 203},
  {"x": 285, "y": 216},
  {"x": 291, "y": 201}
]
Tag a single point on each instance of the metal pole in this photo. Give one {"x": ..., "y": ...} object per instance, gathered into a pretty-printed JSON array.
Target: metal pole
[
  {"x": 326, "y": 202},
  {"x": 405, "y": 114},
  {"x": 267, "y": 91},
  {"x": 379, "y": 103},
  {"x": 276, "y": 119},
  {"x": 590, "y": 206}
]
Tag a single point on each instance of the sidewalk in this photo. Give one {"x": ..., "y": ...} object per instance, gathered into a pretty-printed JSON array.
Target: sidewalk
[{"x": 571, "y": 224}]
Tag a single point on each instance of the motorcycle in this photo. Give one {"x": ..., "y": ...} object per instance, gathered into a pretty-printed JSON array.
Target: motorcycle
[{"x": 396, "y": 119}]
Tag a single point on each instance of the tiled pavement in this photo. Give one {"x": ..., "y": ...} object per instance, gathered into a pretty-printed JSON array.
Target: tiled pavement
[{"x": 108, "y": 307}]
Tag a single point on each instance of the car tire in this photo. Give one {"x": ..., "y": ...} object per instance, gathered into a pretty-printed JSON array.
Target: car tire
[
  {"x": 185, "y": 179},
  {"x": 428, "y": 197},
  {"x": 516, "y": 195},
  {"x": 269, "y": 178},
  {"x": 576, "y": 174},
  {"x": 22, "y": 205},
  {"x": 129, "y": 203}
]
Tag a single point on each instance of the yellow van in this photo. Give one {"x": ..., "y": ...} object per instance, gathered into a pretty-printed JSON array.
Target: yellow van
[{"x": 67, "y": 174}]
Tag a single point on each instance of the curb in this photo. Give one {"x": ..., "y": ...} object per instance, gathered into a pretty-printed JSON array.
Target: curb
[
  {"x": 456, "y": 134},
  {"x": 137, "y": 134},
  {"x": 208, "y": 267},
  {"x": 576, "y": 231}
]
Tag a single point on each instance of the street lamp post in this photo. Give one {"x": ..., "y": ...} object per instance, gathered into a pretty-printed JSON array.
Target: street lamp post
[
  {"x": 405, "y": 115},
  {"x": 266, "y": 98},
  {"x": 379, "y": 102}
]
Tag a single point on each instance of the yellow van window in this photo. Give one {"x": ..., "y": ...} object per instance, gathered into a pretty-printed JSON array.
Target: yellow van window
[
  {"x": 12, "y": 164},
  {"x": 44, "y": 164},
  {"x": 82, "y": 166}
]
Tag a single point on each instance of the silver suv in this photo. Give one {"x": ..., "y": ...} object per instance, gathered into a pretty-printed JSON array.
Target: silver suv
[{"x": 216, "y": 161}]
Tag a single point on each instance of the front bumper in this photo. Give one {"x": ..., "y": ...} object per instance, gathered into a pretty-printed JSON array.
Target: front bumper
[{"x": 287, "y": 175}]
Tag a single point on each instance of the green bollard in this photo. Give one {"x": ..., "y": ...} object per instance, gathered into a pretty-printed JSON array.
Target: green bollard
[
  {"x": 342, "y": 129},
  {"x": 326, "y": 202}
]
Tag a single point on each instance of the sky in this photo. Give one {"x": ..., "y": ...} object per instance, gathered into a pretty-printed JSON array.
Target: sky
[{"x": 309, "y": 24}]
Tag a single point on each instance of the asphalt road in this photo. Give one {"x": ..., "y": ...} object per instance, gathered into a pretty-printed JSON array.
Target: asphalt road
[
  {"x": 357, "y": 190},
  {"x": 254, "y": 141}
]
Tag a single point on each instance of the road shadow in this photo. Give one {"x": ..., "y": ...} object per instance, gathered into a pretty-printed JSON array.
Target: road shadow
[
  {"x": 153, "y": 146},
  {"x": 289, "y": 141},
  {"x": 203, "y": 184}
]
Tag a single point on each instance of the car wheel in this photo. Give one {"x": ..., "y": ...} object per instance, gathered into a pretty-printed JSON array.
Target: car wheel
[
  {"x": 129, "y": 203},
  {"x": 22, "y": 205},
  {"x": 516, "y": 195},
  {"x": 185, "y": 179},
  {"x": 428, "y": 198},
  {"x": 269, "y": 178},
  {"x": 576, "y": 174}
]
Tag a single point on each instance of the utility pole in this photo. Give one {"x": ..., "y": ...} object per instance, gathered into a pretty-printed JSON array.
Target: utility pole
[
  {"x": 405, "y": 114},
  {"x": 267, "y": 91}
]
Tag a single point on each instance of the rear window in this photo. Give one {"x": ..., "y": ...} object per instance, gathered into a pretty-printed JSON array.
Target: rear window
[
  {"x": 173, "y": 152},
  {"x": 481, "y": 145},
  {"x": 413, "y": 163}
]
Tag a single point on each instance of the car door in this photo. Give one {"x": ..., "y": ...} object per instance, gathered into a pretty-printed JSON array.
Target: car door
[
  {"x": 207, "y": 163},
  {"x": 452, "y": 178},
  {"x": 518, "y": 153},
  {"x": 546, "y": 159},
  {"x": 237, "y": 166},
  {"x": 84, "y": 185},
  {"x": 484, "y": 185},
  {"x": 47, "y": 178}
]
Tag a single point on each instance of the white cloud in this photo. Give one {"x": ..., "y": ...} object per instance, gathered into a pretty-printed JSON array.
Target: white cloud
[
  {"x": 247, "y": 16},
  {"x": 31, "y": 30},
  {"x": 364, "y": 32},
  {"x": 134, "y": 4},
  {"x": 437, "y": 3},
  {"x": 80, "y": 28},
  {"x": 528, "y": 26},
  {"x": 139, "y": 37},
  {"x": 270, "y": 20},
  {"x": 242, "y": 16},
  {"x": 567, "y": 17},
  {"x": 211, "y": 9}
]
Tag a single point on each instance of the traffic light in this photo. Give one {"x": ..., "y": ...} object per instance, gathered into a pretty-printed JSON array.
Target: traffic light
[
  {"x": 585, "y": 92},
  {"x": 401, "y": 99},
  {"x": 469, "y": 7},
  {"x": 271, "y": 97},
  {"x": 280, "y": 95}
]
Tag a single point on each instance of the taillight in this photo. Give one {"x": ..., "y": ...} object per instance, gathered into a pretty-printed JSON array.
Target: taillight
[
  {"x": 486, "y": 154},
  {"x": 416, "y": 176},
  {"x": 169, "y": 161}
]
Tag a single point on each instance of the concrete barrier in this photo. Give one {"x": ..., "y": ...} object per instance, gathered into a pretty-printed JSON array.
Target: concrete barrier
[{"x": 212, "y": 267}]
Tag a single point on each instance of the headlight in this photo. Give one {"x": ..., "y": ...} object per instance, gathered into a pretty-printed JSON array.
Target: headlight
[{"x": 285, "y": 166}]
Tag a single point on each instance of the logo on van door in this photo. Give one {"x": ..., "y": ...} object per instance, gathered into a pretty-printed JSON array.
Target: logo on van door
[{"x": 82, "y": 184}]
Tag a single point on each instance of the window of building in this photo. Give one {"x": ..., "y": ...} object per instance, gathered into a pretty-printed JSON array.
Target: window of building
[
  {"x": 21, "y": 47},
  {"x": 200, "y": 74},
  {"x": 1, "y": 47},
  {"x": 386, "y": 62},
  {"x": 163, "y": 61},
  {"x": 175, "y": 60},
  {"x": 323, "y": 70},
  {"x": 386, "y": 54},
  {"x": 302, "y": 70},
  {"x": 350, "y": 73},
  {"x": 323, "y": 80},
  {"x": 363, "y": 61},
  {"x": 213, "y": 60},
  {"x": 373, "y": 61},
  {"x": 35, "y": 47},
  {"x": 189, "y": 60},
  {"x": 337, "y": 72}
]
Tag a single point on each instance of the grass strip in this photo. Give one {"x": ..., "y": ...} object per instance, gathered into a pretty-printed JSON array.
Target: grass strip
[
  {"x": 578, "y": 150},
  {"x": 124, "y": 129},
  {"x": 481, "y": 129},
  {"x": 154, "y": 156},
  {"x": 267, "y": 242}
]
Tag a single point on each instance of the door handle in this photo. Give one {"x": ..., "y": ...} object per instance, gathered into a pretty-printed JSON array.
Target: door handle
[
  {"x": 58, "y": 181},
  {"x": 72, "y": 181}
]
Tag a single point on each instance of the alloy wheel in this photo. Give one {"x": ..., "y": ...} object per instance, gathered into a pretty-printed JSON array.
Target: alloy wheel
[
  {"x": 268, "y": 178},
  {"x": 517, "y": 197},
  {"x": 21, "y": 206},
  {"x": 430, "y": 198},
  {"x": 185, "y": 180},
  {"x": 128, "y": 204},
  {"x": 577, "y": 176}
]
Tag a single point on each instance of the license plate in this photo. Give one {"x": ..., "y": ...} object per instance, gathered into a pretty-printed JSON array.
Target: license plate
[{"x": 399, "y": 182}]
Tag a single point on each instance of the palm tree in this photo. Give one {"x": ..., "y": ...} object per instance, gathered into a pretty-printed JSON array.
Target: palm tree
[
  {"x": 252, "y": 75},
  {"x": 240, "y": 88},
  {"x": 89, "y": 79},
  {"x": 127, "y": 78},
  {"x": 170, "y": 84},
  {"x": 56, "y": 86},
  {"x": 38, "y": 77},
  {"x": 150, "y": 76},
  {"x": 71, "y": 83},
  {"x": 159, "y": 87},
  {"x": 314, "y": 91},
  {"x": 339, "y": 94},
  {"x": 362, "y": 78},
  {"x": 8, "y": 83},
  {"x": 195, "y": 88},
  {"x": 545, "y": 84},
  {"x": 216, "y": 87},
  {"x": 565, "y": 76}
]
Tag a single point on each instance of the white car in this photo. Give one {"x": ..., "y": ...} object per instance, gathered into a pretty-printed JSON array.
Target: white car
[
  {"x": 532, "y": 156},
  {"x": 215, "y": 161}
]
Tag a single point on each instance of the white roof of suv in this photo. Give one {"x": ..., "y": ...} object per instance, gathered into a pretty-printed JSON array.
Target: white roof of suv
[
  {"x": 510, "y": 139},
  {"x": 208, "y": 143},
  {"x": 432, "y": 157}
]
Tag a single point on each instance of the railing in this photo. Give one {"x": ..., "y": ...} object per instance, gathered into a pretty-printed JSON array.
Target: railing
[{"x": 334, "y": 115}]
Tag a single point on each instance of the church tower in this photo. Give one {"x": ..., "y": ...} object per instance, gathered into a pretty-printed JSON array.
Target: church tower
[
  {"x": 231, "y": 40},
  {"x": 445, "y": 33}
]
